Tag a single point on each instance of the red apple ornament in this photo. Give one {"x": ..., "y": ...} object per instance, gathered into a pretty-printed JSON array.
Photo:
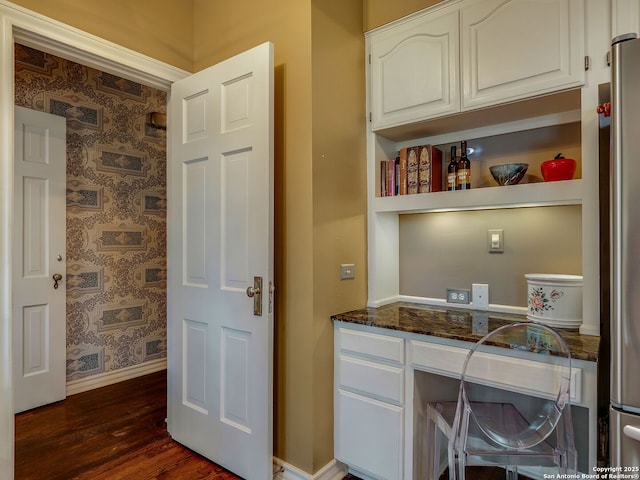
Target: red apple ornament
[{"x": 559, "y": 168}]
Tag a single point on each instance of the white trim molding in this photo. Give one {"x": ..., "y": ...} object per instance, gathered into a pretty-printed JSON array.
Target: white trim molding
[
  {"x": 109, "y": 378},
  {"x": 333, "y": 470},
  {"x": 48, "y": 35}
]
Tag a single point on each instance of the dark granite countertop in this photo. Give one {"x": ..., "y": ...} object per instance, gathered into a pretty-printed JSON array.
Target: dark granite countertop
[{"x": 456, "y": 324}]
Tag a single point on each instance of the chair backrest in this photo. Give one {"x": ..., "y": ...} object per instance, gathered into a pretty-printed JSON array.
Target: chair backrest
[{"x": 540, "y": 415}]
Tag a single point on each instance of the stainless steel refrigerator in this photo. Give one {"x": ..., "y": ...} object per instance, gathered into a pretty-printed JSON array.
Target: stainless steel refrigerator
[{"x": 624, "y": 413}]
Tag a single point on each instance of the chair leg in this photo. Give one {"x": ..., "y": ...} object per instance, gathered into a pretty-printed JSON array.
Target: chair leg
[
  {"x": 458, "y": 469},
  {"x": 435, "y": 453},
  {"x": 436, "y": 437},
  {"x": 511, "y": 472},
  {"x": 432, "y": 444}
]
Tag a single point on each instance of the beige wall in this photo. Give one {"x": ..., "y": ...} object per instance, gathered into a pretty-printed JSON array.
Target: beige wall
[
  {"x": 162, "y": 29},
  {"x": 379, "y": 12},
  {"x": 339, "y": 191},
  {"x": 440, "y": 250}
]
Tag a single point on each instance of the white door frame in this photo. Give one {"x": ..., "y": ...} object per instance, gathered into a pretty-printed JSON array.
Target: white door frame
[{"x": 45, "y": 34}]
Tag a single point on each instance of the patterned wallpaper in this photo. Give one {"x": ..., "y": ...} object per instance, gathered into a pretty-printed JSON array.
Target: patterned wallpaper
[{"x": 116, "y": 210}]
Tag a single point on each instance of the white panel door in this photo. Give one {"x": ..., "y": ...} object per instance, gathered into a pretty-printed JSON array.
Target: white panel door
[
  {"x": 220, "y": 371},
  {"x": 39, "y": 239}
]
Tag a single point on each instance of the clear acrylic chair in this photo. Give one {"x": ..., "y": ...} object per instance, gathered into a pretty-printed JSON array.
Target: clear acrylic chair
[{"x": 487, "y": 426}]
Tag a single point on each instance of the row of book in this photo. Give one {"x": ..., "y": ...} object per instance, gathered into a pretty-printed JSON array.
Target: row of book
[{"x": 415, "y": 170}]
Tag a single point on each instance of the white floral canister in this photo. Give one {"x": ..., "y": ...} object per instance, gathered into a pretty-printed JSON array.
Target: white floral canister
[{"x": 555, "y": 299}]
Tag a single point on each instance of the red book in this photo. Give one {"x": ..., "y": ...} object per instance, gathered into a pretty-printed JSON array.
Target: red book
[
  {"x": 403, "y": 171},
  {"x": 391, "y": 178}
]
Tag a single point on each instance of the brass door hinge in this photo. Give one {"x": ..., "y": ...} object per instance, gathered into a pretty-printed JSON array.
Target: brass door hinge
[{"x": 272, "y": 289}]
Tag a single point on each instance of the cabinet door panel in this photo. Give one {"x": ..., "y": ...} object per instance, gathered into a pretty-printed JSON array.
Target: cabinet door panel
[
  {"x": 625, "y": 17},
  {"x": 514, "y": 49},
  {"x": 414, "y": 70},
  {"x": 369, "y": 435}
]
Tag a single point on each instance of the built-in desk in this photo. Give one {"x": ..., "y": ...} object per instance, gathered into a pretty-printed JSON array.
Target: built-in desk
[{"x": 390, "y": 361}]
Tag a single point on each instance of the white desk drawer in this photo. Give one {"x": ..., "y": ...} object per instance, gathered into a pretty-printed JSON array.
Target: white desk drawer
[
  {"x": 373, "y": 345},
  {"x": 505, "y": 372},
  {"x": 369, "y": 435},
  {"x": 385, "y": 382}
]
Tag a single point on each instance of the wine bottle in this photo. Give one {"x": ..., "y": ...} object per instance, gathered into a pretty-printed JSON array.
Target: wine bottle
[
  {"x": 464, "y": 168},
  {"x": 452, "y": 171}
]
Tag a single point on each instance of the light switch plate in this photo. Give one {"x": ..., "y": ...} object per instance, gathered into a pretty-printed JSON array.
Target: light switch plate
[
  {"x": 480, "y": 296},
  {"x": 347, "y": 271},
  {"x": 495, "y": 241}
]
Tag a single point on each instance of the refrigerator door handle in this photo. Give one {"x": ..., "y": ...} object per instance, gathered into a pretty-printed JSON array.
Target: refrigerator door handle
[{"x": 632, "y": 432}]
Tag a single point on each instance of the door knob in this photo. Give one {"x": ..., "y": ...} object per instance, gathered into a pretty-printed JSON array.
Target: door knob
[
  {"x": 56, "y": 278},
  {"x": 251, "y": 291}
]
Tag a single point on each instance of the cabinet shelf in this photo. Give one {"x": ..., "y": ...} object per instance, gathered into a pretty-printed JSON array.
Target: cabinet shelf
[
  {"x": 567, "y": 192},
  {"x": 544, "y": 111}
]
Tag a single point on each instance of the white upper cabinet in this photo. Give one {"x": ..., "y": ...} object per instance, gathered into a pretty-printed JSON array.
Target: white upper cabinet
[
  {"x": 414, "y": 69},
  {"x": 469, "y": 54},
  {"x": 513, "y": 49},
  {"x": 625, "y": 17}
]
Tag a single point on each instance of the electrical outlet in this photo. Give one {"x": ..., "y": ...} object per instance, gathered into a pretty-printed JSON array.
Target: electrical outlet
[{"x": 458, "y": 295}]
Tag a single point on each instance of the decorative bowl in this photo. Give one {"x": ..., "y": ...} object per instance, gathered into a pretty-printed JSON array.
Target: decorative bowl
[
  {"x": 558, "y": 169},
  {"x": 554, "y": 299},
  {"x": 508, "y": 173}
]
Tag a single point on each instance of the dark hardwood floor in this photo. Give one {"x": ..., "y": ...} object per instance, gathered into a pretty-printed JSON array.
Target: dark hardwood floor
[
  {"x": 119, "y": 433},
  {"x": 115, "y": 432}
]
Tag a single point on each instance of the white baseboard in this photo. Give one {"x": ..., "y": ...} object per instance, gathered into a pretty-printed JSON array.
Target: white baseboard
[
  {"x": 115, "y": 376},
  {"x": 333, "y": 470}
]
